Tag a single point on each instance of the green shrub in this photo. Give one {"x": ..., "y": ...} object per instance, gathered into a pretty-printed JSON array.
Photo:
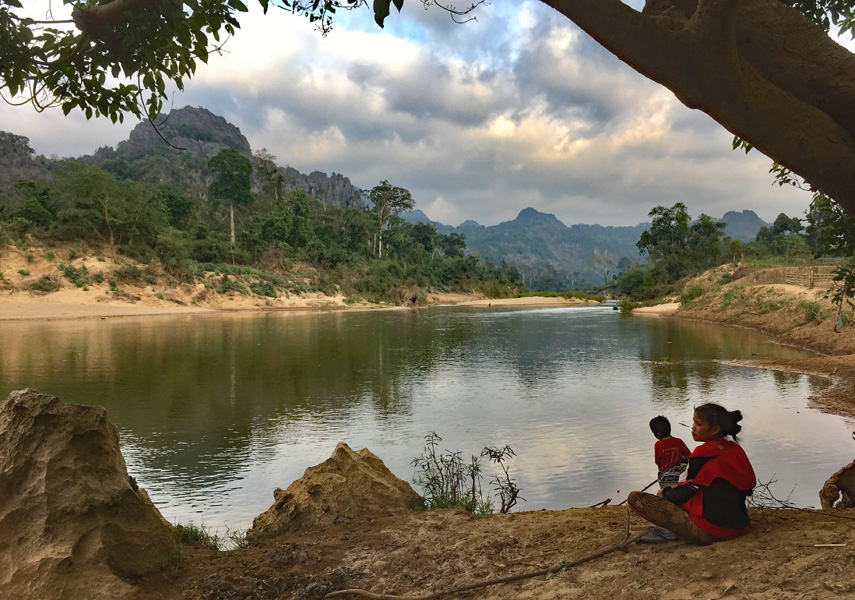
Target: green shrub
[
  {"x": 150, "y": 279},
  {"x": 693, "y": 292},
  {"x": 726, "y": 278},
  {"x": 197, "y": 534},
  {"x": 231, "y": 285},
  {"x": 449, "y": 481},
  {"x": 626, "y": 306},
  {"x": 263, "y": 288},
  {"x": 811, "y": 310},
  {"x": 24, "y": 272},
  {"x": 79, "y": 277},
  {"x": 98, "y": 277},
  {"x": 737, "y": 292},
  {"x": 45, "y": 284},
  {"x": 128, "y": 273},
  {"x": 114, "y": 285}
]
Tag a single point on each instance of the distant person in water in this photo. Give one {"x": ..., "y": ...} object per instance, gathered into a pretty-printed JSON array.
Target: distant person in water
[
  {"x": 709, "y": 505},
  {"x": 670, "y": 453}
]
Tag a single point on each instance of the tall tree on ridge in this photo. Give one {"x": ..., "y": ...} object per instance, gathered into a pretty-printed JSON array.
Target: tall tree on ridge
[
  {"x": 388, "y": 202},
  {"x": 232, "y": 182}
]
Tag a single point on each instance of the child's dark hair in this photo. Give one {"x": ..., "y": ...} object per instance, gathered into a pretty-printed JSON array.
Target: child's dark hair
[
  {"x": 660, "y": 426},
  {"x": 726, "y": 420}
]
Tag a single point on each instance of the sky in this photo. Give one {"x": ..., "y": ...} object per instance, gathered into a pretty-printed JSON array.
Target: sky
[{"x": 478, "y": 120}]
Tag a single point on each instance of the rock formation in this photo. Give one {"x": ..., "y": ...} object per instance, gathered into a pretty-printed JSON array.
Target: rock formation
[
  {"x": 347, "y": 486},
  {"x": 73, "y": 525}
]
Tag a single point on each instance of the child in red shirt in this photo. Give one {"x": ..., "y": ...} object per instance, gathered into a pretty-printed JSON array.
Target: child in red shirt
[{"x": 670, "y": 453}]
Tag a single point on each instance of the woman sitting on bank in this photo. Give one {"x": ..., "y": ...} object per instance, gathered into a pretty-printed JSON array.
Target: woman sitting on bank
[{"x": 709, "y": 505}]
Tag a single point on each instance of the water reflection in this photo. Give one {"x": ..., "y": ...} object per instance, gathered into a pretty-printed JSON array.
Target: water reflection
[{"x": 216, "y": 411}]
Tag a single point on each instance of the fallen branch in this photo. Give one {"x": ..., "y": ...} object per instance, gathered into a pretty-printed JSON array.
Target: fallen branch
[{"x": 627, "y": 540}]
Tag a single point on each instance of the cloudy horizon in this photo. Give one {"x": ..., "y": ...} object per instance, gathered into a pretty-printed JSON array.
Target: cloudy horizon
[{"x": 479, "y": 121}]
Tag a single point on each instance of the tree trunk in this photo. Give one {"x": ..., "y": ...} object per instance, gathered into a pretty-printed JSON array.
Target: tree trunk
[
  {"x": 232, "y": 219},
  {"x": 758, "y": 67}
]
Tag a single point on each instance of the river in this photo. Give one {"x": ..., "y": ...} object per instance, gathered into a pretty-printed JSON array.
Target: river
[{"x": 214, "y": 412}]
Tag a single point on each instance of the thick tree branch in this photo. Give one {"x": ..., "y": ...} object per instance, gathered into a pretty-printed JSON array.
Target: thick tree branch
[{"x": 92, "y": 18}]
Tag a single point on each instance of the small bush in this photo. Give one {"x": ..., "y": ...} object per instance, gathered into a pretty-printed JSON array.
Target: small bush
[
  {"x": 626, "y": 306},
  {"x": 79, "y": 277},
  {"x": 726, "y": 278},
  {"x": 231, "y": 285},
  {"x": 24, "y": 272},
  {"x": 693, "y": 292},
  {"x": 448, "y": 481},
  {"x": 128, "y": 273},
  {"x": 197, "y": 534},
  {"x": 114, "y": 285},
  {"x": 811, "y": 310},
  {"x": 263, "y": 288},
  {"x": 150, "y": 279},
  {"x": 45, "y": 284},
  {"x": 98, "y": 277}
]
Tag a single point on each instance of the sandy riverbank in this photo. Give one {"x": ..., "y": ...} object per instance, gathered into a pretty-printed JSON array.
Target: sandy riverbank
[{"x": 527, "y": 301}]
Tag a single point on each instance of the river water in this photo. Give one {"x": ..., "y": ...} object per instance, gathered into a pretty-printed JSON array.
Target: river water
[{"x": 214, "y": 412}]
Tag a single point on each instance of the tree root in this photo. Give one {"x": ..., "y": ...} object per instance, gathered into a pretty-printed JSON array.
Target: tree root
[{"x": 626, "y": 541}]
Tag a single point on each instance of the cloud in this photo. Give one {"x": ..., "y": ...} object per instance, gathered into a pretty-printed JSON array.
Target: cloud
[{"x": 478, "y": 121}]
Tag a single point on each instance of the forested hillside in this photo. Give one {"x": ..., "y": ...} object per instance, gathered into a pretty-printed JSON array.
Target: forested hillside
[{"x": 192, "y": 197}]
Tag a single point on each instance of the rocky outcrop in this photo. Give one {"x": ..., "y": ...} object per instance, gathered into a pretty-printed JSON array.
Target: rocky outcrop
[
  {"x": 333, "y": 190},
  {"x": 17, "y": 161},
  {"x": 72, "y": 523},
  {"x": 347, "y": 486},
  {"x": 195, "y": 130}
]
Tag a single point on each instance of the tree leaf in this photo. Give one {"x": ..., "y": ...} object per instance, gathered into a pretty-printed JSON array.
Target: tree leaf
[{"x": 381, "y": 11}]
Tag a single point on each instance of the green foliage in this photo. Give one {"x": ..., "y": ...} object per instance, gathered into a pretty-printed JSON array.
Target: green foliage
[
  {"x": 811, "y": 310},
  {"x": 693, "y": 292},
  {"x": 733, "y": 294},
  {"x": 626, "y": 306},
  {"x": 263, "y": 288},
  {"x": 45, "y": 284},
  {"x": 232, "y": 171},
  {"x": 833, "y": 231},
  {"x": 128, "y": 273},
  {"x": 79, "y": 277},
  {"x": 448, "y": 480},
  {"x": 231, "y": 285},
  {"x": 388, "y": 201},
  {"x": 185, "y": 231},
  {"x": 725, "y": 278},
  {"x": 24, "y": 272},
  {"x": 198, "y": 535}
]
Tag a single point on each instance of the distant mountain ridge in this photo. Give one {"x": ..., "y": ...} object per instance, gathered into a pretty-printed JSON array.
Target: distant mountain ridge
[{"x": 536, "y": 240}]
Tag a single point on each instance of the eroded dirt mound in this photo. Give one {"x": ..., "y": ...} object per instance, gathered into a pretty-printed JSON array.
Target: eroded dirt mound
[
  {"x": 348, "y": 485},
  {"x": 72, "y": 523}
]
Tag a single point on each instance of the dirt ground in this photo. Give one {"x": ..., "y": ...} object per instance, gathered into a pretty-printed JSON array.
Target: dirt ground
[
  {"x": 788, "y": 554},
  {"x": 417, "y": 553}
]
